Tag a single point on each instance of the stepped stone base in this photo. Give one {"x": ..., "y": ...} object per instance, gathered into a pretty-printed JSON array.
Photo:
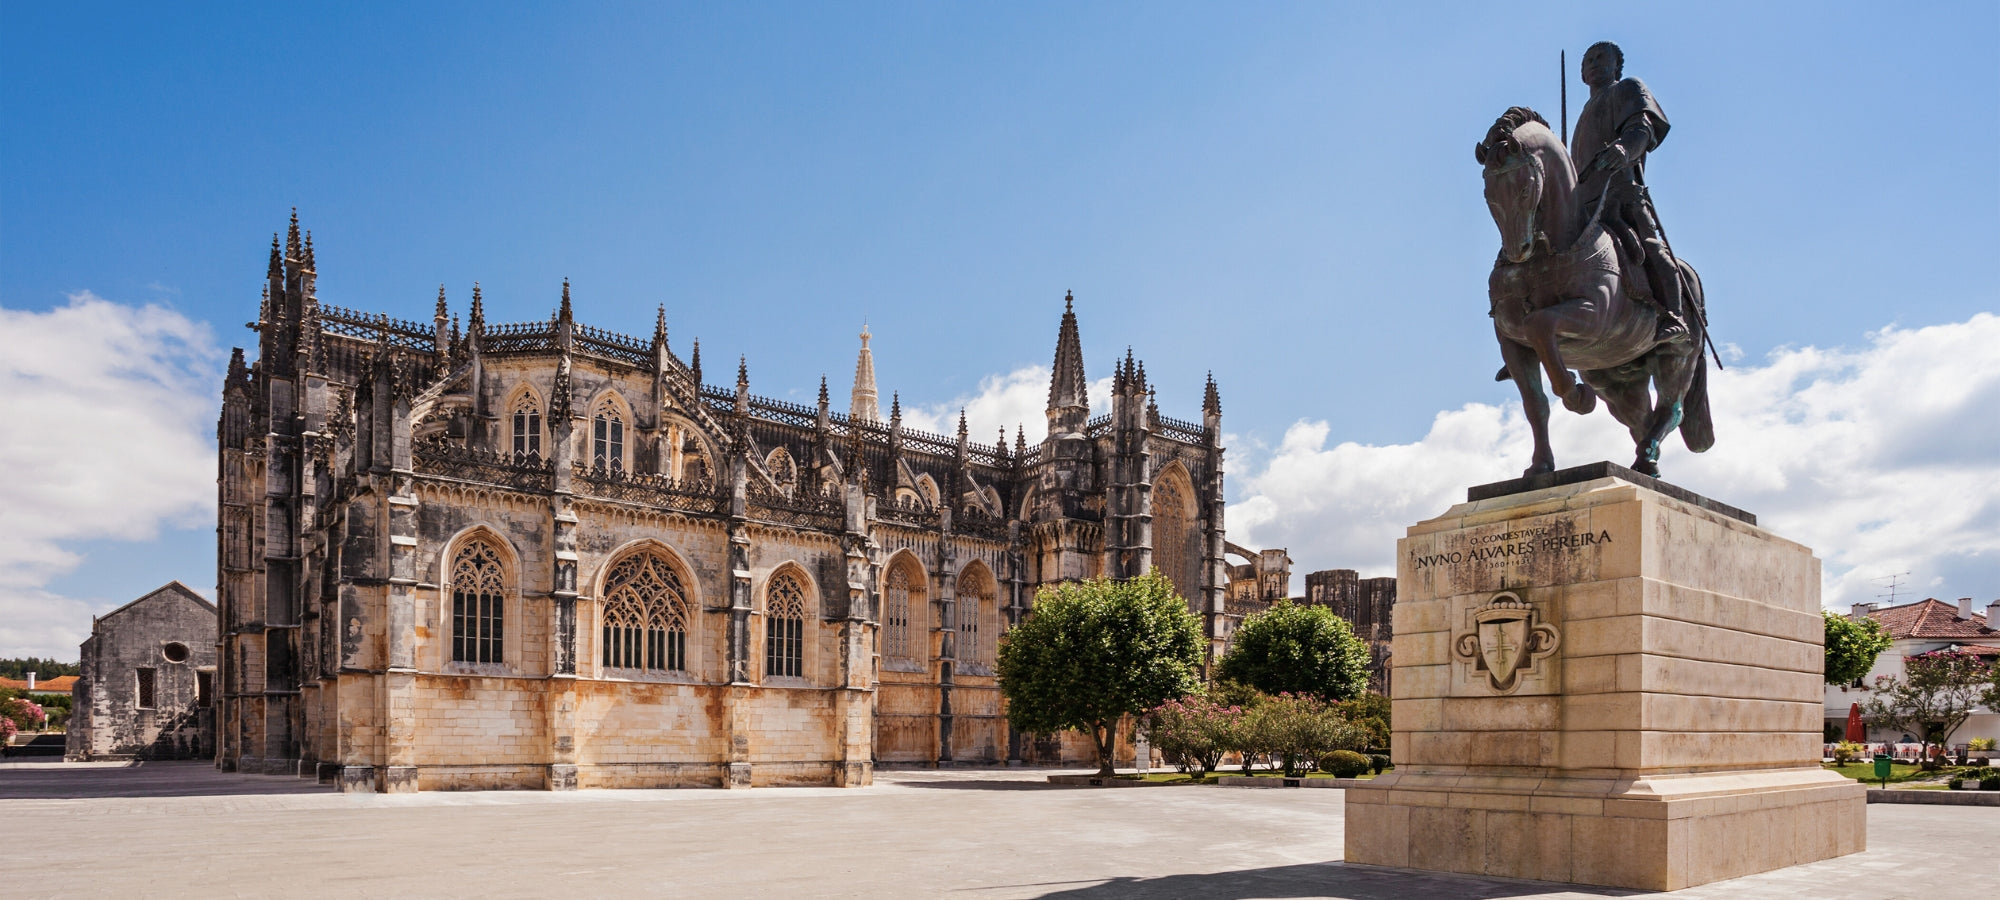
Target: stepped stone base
[
  {"x": 1661, "y": 834},
  {"x": 1603, "y": 681}
]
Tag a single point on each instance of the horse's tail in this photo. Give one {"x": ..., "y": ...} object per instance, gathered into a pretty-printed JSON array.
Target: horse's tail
[{"x": 1697, "y": 427}]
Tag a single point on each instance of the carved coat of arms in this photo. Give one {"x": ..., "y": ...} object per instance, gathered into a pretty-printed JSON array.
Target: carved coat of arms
[{"x": 1506, "y": 640}]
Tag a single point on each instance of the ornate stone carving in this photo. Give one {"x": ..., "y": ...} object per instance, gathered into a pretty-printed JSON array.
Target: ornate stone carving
[{"x": 1506, "y": 640}]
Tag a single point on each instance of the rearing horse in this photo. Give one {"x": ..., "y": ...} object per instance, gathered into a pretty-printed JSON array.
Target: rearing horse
[{"x": 1559, "y": 300}]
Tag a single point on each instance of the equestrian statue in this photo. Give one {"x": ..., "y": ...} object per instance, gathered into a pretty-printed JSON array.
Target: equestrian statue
[{"x": 1585, "y": 278}]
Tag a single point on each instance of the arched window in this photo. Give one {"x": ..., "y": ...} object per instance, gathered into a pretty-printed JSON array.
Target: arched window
[
  {"x": 975, "y": 592},
  {"x": 897, "y": 606},
  {"x": 783, "y": 470},
  {"x": 478, "y": 595},
  {"x": 645, "y": 615},
  {"x": 607, "y": 437},
  {"x": 527, "y": 428},
  {"x": 784, "y": 627},
  {"x": 1174, "y": 535}
]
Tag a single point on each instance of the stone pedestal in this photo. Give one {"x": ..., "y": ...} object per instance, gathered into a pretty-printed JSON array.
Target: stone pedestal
[{"x": 1603, "y": 679}]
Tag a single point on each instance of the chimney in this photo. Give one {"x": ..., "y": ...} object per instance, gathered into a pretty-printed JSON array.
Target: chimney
[
  {"x": 1965, "y": 608},
  {"x": 31, "y": 681},
  {"x": 1993, "y": 616},
  {"x": 1862, "y": 609}
]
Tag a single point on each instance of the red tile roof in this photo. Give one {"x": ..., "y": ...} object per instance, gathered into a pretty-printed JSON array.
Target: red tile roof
[
  {"x": 1933, "y": 619},
  {"x": 59, "y": 684}
]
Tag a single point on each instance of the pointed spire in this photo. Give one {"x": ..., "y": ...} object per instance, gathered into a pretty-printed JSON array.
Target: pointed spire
[
  {"x": 1067, "y": 388},
  {"x": 443, "y": 311},
  {"x": 308, "y": 257},
  {"x": 695, "y": 365},
  {"x": 1152, "y": 405},
  {"x": 277, "y": 268},
  {"x": 961, "y": 424},
  {"x": 864, "y": 405},
  {"x": 563, "y": 312},
  {"x": 264, "y": 307},
  {"x": 1140, "y": 379},
  {"x": 896, "y": 408},
  {"x": 1211, "y": 400},
  {"x": 239, "y": 371},
  {"x": 822, "y": 392},
  {"x": 743, "y": 371},
  {"x": 292, "y": 236},
  {"x": 660, "y": 326},
  {"x": 475, "y": 321},
  {"x": 1020, "y": 440}
]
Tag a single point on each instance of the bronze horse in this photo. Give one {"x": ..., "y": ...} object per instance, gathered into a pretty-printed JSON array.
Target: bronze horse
[{"x": 1559, "y": 300}]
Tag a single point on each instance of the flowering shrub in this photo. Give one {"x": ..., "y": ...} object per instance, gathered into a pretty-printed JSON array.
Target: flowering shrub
[
  {"x": 1192, "y": 732},
  {"x": 22, "y": 713},
  {"x": 1299, "y": 728}
]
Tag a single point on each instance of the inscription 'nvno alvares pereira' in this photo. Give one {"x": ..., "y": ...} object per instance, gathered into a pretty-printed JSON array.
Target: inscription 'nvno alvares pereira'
[{"x": 1513, "y": 544}]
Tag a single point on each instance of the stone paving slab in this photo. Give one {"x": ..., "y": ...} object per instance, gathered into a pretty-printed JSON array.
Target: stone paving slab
[{"x": 185, "y": 830}]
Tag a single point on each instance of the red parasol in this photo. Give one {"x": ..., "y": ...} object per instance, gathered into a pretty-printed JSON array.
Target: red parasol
[{"x": 1856, "y": 732}]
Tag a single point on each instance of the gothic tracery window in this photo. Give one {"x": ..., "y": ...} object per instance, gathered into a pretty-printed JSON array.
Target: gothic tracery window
[
  {"x": 607, "y": 437},
  {"x": 897, "y": 595},
  {"x": 527, "y": 415},
  {"x": 785, "y": 627},
  {"x": 645, "y": 615},
  {"x": 478, "y": 597},
  {"x": 783, "y": 470},
  {"x": 1174, "y": 550},
  {"x": 973, "y": 596}
]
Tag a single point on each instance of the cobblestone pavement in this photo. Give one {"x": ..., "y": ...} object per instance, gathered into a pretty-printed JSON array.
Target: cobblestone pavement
[{"x": 185, "y": 830}]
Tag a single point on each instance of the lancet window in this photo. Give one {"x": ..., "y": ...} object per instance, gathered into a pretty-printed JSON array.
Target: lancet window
[
  {"x": 973, "y": 596},
  {"x": 896, "y": 596},
  {"x": 1174, "y": 537},
  {"x": 607, "y": 437},
  {"x": 478, "y": 602},
  {"x": 785, "y": 627},
  {"x": 645, "y": 615},
  {"x": 527, "y": 417}
]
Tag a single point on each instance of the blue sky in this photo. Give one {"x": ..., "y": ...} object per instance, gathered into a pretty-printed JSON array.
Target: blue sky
[{"x": 1281, "y": 193}]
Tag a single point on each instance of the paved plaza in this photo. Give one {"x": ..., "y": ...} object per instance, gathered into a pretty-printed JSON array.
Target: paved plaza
[{"x": 185, "y": 830}]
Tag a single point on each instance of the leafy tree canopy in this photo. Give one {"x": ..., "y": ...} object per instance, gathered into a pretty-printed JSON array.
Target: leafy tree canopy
[
  {"x": 1851, "y": 646},
  {"x": 1091, "y": 652},
  {"x": 1298, "y": 650},
  {"x": 44, "y": 669}
]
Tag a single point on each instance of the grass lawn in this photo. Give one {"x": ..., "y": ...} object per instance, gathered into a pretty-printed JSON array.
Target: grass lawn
[
  {"x": 1180, "y": 778},
  {"x": 1865, "y": 771},
  {"x": 1908, "y": 775}
]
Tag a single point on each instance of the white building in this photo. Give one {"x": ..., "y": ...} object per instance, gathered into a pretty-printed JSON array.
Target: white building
[{"x": 1920, "y": 628}]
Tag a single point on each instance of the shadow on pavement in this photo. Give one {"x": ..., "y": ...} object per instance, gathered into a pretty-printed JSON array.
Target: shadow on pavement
[
  {"x": 190, "y": 778},
  {"x": 1330, "y": 879}
]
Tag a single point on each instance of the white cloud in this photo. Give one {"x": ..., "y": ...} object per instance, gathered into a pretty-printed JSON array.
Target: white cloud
[
  {"x": 109, "y": 410},
  {"x": 1018, "y": 398},
  {"x": 1882, "y": 459}
]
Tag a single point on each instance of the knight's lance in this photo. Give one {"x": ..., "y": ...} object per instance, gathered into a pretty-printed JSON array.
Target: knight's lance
[
  {"x": 1562, "y": 60},
  {"x": 1700, "y": 308}
]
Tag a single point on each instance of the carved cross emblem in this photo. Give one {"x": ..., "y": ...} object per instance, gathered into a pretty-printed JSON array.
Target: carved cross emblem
[{"x": 1506, "y": 640}]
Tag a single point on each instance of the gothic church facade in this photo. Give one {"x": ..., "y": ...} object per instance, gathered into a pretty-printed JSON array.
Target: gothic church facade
[{"x": 546, "y": 555}]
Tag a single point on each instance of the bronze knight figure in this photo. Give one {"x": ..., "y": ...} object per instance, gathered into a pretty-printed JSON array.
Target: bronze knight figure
[
  {"x": 1585, "y": 277},
  {"x": 1620, "y": 125}
]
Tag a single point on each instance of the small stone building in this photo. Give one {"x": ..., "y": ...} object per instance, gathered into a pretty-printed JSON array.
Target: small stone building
[{"x": 148, "y": 681}]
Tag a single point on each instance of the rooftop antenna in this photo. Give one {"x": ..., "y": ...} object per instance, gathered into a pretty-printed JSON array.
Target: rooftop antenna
[
  {"x": 1562, "y": 59},
  {"x": 1890, "y": 583}
]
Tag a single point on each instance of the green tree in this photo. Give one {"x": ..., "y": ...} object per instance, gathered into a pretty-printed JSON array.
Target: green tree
[
  {"x": 1092, "y": 652},
  {"x": 1298, "y": 650},
  {"x": 1934, "y": 697},
  {"x": 1851, "y": 646}
]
